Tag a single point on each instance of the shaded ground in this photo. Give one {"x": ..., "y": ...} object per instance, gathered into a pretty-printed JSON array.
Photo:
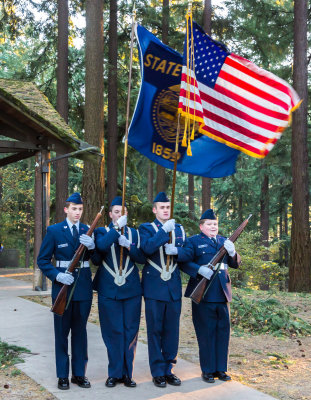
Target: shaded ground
[{"x": 280, "y": 367}]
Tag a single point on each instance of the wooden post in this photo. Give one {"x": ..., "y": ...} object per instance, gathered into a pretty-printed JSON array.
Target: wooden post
[
  {"x": 38, "y": 221},
  {"x": 42, "y": 212}
]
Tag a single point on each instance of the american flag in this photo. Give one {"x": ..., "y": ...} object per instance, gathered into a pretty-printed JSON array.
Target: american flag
[{"x": 235, "y": 101}]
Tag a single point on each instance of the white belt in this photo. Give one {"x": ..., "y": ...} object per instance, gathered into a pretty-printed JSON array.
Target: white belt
[
  {"x": 222, "y": 266},
  {"x": 65, "y": 264}
]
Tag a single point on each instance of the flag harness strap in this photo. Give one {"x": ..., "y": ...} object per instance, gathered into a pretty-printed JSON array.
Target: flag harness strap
[
  {"x": 165, "y": 275},
  {"x": 120, "y": 280}
]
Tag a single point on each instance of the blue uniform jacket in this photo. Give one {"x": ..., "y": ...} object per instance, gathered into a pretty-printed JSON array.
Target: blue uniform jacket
[
  {"x": 153, "y": 286},
  {"x": 59, "y": 242},
  {"x": 201, "y": 250},
  {"x": 104, "y": 282}
]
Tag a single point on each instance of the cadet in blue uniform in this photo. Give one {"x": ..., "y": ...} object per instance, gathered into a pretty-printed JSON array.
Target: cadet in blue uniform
[
  {"x": 162, "y": 290},
  {"x": 119, "y": 297},
  {"x": 61, "y": 241},
  {"x": 211, "y": 318}
]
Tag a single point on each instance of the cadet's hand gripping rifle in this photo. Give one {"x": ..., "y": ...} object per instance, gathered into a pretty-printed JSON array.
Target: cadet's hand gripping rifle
[{"x": 60, "y": 302}]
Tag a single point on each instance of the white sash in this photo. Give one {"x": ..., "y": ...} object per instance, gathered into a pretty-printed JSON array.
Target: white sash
[
  {"x": 165, "y": 275},
  {"x": 120, "y": 279}
]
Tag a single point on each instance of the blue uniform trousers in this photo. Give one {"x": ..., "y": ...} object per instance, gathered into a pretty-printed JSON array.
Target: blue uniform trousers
[
  {"x": 119, "y": 322},
  {"x": 162, "y": 318},
  {"x": 74, "y": 319},
  {"x": 212, "y": 326}
]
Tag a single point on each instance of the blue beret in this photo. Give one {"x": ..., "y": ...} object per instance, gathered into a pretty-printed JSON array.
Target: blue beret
[
  {"x": 208, "y": 214},
  {"x": 75, "y": 198},
  {"x": 161, "y": 197},
  {"x": 117, "y": 201}
]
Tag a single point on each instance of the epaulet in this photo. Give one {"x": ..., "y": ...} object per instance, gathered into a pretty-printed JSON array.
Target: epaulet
[
  {"x": 59, "y": 224},
  {"x": 146, "y": 224},
  {"x": 101, "y": 229}
]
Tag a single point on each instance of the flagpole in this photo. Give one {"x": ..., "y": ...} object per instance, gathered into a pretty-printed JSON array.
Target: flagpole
[
  {"x": 126, "y": 134},
  {"x": 174, "y": 183}
]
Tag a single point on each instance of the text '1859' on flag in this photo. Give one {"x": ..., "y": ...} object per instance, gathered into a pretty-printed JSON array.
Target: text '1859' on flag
[
  {"x": 153, "y": 127},
  {"x": 235, "y": 101}
]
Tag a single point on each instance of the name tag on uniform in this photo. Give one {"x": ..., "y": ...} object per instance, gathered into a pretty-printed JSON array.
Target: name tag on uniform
[
  {"x": 59, "y": 246},
  {"x": 202, "y": 245}
]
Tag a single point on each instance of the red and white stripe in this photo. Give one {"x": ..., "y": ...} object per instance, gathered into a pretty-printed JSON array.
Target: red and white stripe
[{"x": 248, "y": 108}]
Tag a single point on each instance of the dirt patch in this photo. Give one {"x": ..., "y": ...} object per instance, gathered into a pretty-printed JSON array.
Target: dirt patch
[
  {"x": 279, "y": 367},
  {"x": 15, "y": 385}
]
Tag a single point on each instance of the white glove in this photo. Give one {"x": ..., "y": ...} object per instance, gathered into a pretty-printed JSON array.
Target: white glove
[
  {"x": 64, "y": 278},
  {"x": 205, "y": 271},
  {"x": 169, "y": 225},
  {"x": 170, "y": 249},
  {"x": 123, "y": 241},
  {"x": 229, "y": 246},
  {"x": 87, "y": 241},
  {"x": 122, "y": 221}
]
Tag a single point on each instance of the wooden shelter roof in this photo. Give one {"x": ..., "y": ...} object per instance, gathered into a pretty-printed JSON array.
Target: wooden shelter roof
[{"x": 26, "y": 115}]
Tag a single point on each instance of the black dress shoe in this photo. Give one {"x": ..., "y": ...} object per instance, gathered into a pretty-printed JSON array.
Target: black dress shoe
[
  {"x": 173, "y": 380},
  {"x": 222, "y": 376},
  {"x": 111, "y": 382},
  {"x": 159, "y": 381},
  {"x": 208, "y": 377},
  {"x": 81, "y": 381},
  {"x": 63, "y": 383},
  {"x": 128, "y": 382}
]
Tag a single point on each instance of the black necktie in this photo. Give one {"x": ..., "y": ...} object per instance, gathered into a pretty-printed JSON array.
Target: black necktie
[
  {"x": 75, "y": 233},
  {"x": 214, "y": 240}
]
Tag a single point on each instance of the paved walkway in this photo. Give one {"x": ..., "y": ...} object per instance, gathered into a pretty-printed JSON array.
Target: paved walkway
[{"x": 30, "y": 325}]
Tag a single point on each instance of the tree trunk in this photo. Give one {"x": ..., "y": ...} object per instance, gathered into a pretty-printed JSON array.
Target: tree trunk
[
  {"x": 160, "y": 184},
  {"x": 281, "y": 262},
  {"x": 207, "y": 182},
  {"x": 1, "y": 186},
  {"x": 207, "y": 16},
  {"x": 112, "y": 137},
  {"x": 206, "y": 193},
  {"x": 264, "y": 212},
  {"x": 299, "y": 270},
  {"x": 150, "y": 182},
  {"x": 286, "y": 255},
  {"x": 191, "y": 196},
  {"x": 93, "y": 182},
  {"x": 240, "y": 207},
  {"x": 264, "y": 226},
  {"x": 62, "y": 104}
]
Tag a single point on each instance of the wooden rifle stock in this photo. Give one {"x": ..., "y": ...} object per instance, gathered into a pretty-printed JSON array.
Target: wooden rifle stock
[
  {"x": 200, "y": 290},
  {"x": 60, "y": 301}
]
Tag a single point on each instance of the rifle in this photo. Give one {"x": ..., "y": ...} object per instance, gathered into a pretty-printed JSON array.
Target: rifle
[
  {"x": 200, "y": 290},
  {"x": 60, "y": 302}
]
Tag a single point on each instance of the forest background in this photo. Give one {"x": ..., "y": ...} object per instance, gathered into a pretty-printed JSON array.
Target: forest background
[{"x": 276, "y": 247}]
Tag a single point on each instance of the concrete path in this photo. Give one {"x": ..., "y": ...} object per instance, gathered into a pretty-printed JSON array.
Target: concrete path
[{"x": 30, "y": 325}]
